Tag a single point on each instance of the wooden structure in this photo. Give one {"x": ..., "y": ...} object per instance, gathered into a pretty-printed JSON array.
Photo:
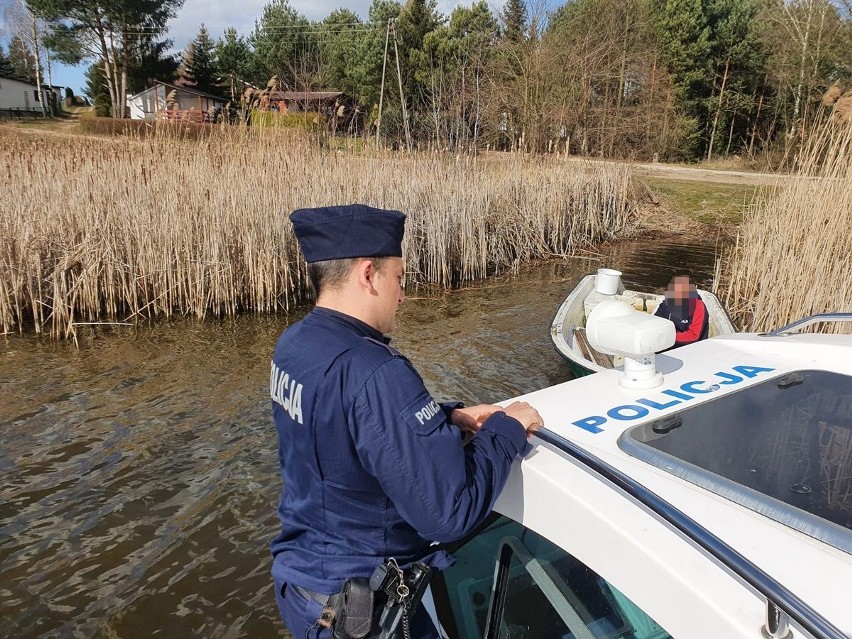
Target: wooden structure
[
  {"x": 341, "y": 111},
  {"x": 601, "y": 359},
  {"x": 165, "y": 101},
  {"x": 324, "y": 102}
]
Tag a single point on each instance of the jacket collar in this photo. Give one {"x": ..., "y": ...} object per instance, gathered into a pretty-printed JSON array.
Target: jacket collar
[{"x": 350, "y": 322}]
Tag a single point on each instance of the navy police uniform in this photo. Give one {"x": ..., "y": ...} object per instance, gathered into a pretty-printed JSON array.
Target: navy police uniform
[{"x": 372, "y": 466}]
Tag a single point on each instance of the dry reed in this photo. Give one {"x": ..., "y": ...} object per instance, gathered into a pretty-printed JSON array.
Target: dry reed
[
  {"x": 792, "y": 256},
  {"x": 129, "y": 229}
]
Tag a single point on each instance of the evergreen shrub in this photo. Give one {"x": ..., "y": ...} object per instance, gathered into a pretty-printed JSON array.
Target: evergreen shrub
[{"x": 309, "y": 121}]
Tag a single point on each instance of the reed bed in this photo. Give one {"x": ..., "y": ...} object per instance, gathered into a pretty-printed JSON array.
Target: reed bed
[
  {"x": 792, "y": 255},
  {"x": 127, "y": 230}
]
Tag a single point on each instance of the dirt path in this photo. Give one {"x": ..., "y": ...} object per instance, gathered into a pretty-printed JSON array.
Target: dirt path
[
  {"x": 67, "y": 126},
  {"x": 672, "y": 172},
  {"x": 691, "y": 174}
]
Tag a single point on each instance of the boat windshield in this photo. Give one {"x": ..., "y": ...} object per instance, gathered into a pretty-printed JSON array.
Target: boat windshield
[{"x": 782, "y": 447}]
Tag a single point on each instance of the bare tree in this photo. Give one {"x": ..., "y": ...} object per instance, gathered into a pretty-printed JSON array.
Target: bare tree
[
  {"x": 809, "y": 31},
  {"x": 603, "y": 90}
]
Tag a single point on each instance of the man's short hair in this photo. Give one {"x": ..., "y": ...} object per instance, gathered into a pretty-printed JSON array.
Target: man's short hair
[{"x": 331, "y": 274}]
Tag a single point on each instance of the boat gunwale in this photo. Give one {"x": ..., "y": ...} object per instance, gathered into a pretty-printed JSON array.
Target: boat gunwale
[{"x": 768, "y": 587}]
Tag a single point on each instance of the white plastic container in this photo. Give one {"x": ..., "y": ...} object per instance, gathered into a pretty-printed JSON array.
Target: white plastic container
[{"x": 607, "y": 281}]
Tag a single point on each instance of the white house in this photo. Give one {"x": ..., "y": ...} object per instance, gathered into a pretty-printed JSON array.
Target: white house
[
  {"x": 17, "y": 95},
  {"x": 169, "y": 101}
]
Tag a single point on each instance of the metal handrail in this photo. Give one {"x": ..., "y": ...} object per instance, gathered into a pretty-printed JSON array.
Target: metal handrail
[
  {"x": 776, "y": 594},
  {"x": 807, "y": 321}
]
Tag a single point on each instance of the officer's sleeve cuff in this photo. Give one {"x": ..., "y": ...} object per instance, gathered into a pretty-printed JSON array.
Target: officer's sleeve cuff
[
  {"x": 510, "y": 428},
  {"x": 449, "y": 407}
]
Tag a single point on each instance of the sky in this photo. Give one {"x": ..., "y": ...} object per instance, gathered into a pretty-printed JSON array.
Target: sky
[{"x": 218, "y": 15}]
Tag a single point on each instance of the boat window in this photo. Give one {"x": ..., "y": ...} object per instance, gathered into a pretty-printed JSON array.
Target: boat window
[
  {"x": 537, "y": 590},
  {"x": 782, "y": 447}
]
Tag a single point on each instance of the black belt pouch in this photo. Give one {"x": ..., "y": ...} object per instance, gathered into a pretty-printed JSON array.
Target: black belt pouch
[
  {"x": 355, "y": 610},
  {"x": 416, "y": 578}
]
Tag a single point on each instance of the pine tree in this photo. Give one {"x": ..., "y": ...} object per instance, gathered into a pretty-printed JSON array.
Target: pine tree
[
  {"x": 366, "y": 68},
  {"x": 417, "y": 19},
  {"x": 184, "y": 72},
  {"x": 342, "y": 33},
  {"x": 151, "y": 62},
  {"x": 97, "y": 90},
  {"x": 684, "y": 35},
  {"x": 233, "y": 57},
  {"x": 6, "y": 68},
  {"x": 282, "y": 45},
  {"x": 22, "y": 60},
  {"x": 515, "y": 20},
  {"x": 201, "y": 65},
  {"x": 460, "y": 55},
  {"x": 739, "y": 63}
]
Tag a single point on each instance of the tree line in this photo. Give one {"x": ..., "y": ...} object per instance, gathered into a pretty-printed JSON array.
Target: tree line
[{"x": 673, "y": 79}]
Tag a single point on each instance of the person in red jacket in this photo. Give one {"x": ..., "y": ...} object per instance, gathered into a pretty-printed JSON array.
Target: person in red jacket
[{"x": 684, "y": 308}]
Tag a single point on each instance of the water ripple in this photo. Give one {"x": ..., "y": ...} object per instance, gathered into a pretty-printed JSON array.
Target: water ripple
[{"x": 139, "y": 473}]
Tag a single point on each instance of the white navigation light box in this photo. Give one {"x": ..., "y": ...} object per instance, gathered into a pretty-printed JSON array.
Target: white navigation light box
[{"x": 616, "y": 328}]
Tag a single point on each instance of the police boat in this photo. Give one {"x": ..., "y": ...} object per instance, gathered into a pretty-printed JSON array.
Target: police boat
[
  {"x": 568, "y": 329},
  {"x": 703, "y": 493}
]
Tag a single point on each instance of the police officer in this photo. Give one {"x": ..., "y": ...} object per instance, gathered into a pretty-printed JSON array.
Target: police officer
[{"x": 373, "y": 467}]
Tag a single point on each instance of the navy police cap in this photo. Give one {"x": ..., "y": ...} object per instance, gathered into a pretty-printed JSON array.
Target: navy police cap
[{"x": 353, "y": 230}]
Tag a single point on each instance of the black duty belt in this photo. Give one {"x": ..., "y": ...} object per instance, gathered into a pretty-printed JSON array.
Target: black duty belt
[{"x": 374, "y": 608}]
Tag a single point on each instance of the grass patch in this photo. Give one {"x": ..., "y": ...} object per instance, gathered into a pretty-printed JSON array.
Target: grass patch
[{"x": 703, "y": 202}]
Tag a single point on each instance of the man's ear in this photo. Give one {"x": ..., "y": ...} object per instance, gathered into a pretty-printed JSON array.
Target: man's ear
[{"x": 365, "y": 272}]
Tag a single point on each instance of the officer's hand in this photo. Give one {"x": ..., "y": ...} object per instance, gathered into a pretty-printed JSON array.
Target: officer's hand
[
  {"x": 526, "y": 414},
  {"x": 470, "y": 419}
]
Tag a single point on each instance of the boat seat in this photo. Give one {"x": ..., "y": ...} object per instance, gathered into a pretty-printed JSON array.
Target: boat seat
[{"x": 586, "y": 350}]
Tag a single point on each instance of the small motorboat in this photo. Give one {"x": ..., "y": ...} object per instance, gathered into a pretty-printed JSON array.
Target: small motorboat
[{"x": 568, "y": 329}]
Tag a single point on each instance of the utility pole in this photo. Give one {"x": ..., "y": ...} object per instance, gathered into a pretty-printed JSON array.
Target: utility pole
[
  {"x": 382, "y": 90},
  {"x": 401, "y": 94}
]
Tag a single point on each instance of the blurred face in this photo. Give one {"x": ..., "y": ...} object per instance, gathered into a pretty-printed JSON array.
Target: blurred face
[
  {"x": 389, "y": 283},
  {"x": 679, "y": 289}
]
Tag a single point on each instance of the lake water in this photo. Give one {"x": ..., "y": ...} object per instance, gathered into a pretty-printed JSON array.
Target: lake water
[{"x": 139, "y": 472}]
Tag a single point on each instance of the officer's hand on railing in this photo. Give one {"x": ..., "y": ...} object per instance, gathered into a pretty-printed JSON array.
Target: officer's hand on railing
[
  {"x": 526, "y": 414},
  {"x": 470, "y": 418}
]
